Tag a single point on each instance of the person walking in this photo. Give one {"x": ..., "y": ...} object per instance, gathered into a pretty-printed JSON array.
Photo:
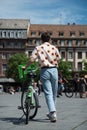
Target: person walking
[
  {"x": 61, "y": 83},
  {"x": 82, "y": 87},
  {"x": 48, "y": 57},
  {"x": 76, "y": 80}
]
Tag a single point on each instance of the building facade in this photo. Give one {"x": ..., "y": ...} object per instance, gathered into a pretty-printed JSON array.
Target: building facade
[
  {"x": 13, "y": 37},
  {"x": 70, "y": 39},
  {"x": 19, "y": 36}
]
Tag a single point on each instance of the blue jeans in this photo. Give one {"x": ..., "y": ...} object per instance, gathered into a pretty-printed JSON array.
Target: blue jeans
[{"x": 49, "y": 79}]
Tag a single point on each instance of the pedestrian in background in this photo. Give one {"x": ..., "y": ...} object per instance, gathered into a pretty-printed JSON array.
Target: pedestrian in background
[
  {"x": 48, "y": 57},
  {"x": 76, "y": 84},
  {"x": 82, "y": 86},
  {"x": 61, "y": 83}
]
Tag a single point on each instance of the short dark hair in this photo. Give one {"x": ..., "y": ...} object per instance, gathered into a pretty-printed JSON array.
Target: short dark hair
[{"x": 45, "y": 37}]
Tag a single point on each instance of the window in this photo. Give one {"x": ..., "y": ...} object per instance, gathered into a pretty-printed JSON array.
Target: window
[
  {"x": 24, "y": 34},
  {"x": 62, "y": 42},
  {"x": 72, "y": 34},
  {"x": 70, "y": 42},
  {"x": 4, "y": 34},
  {"x": 19, "y": 34},
  {"x": 79, "y": 66},
  {"x": 4, "y": 45},
  {"x": 8, "y": 34},
  {"x": 39, "y": 33},
  {"x": 54, "y": 41},
  {"x": 61, "y": 34},
  {"x": 11, "y": 34},
  {"x": 82, "y": 34},
  {"x": 63, "y": 54},
  {"x": 86, "y": 55},
  {"x": 50, "y": 33},
  {"x": 86, "y": 43},
  {"x": 79, "y": 55},
  {"x": 30, "y": 42},
  {"x": 37, "y": 42},
  {"x": 70, "y": 55},
  {"x": 79, "y": 42},
  {"x": 12, "y": 44},
  {"x": 33, "y": 34},
  {"x": 16, "y": 34},
  {"x": 0, "y": 34},
  {"x": 19, "y": 45},
  {"x": 4, "y": 55},
  {"x": 4, "y": 68}
]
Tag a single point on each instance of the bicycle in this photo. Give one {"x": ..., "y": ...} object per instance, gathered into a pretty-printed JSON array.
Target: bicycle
[
  {"x": 29, "y": 98},
  {"x": 68, "y": 89}
]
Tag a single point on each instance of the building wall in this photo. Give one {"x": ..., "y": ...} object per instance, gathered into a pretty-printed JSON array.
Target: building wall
[
  {"x": 69, "y": 39},
  {"x": 13, "y": 38},
  {"x": 19, "y": 36}
]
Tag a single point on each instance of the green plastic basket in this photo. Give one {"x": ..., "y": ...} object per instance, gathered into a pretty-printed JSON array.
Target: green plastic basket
[
  {"x": 22, "y": 74},
  {"x": 20, "y": 71}
]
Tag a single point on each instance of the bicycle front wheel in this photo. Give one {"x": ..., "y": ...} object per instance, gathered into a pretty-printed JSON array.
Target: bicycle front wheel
[
  {"x": 33, "y": 109},
  {"x": 27, "y": 105},
  {"x": 69, "y": 92}
]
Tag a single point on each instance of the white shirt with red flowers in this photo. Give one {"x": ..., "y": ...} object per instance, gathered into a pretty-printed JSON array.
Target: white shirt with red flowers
[{"x": 47, "y": 55}]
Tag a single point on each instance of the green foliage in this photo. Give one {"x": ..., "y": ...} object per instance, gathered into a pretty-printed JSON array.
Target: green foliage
[
  {"x": 19, "y": 58},
  {"x": 64, "y": 66},
  {"x": 12, "y": 65},
  {"x": 85, "y": 66}
]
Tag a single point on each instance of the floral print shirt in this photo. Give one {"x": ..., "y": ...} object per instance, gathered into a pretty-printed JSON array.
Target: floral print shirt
[{"x": 47, "y": 55}]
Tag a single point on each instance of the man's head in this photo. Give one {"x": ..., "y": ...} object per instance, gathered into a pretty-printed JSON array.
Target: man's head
[{"x": 45, "y": 37}]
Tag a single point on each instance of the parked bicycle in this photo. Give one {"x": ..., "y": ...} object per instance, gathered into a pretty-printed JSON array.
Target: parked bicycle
[
  {"x": 29, "y": 98},
  {"x": 69, "y": 90}
]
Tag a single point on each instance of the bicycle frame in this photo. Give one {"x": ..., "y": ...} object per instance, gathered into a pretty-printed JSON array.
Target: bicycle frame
[{"x": 30, "y": 95}]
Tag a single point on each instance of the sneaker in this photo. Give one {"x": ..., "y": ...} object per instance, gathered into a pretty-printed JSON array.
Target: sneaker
[
  {"x": 52, "y": 117},
  {"x": 58, "y": 96}
]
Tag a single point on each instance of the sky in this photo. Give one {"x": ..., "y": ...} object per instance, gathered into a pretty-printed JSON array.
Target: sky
[{"x": 45, "y": 11}]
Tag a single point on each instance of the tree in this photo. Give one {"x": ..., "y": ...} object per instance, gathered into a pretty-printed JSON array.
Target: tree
[
  {"x": 65, "y": 67},
  {"x": 85, "y": 66},
  {"x": 12, "y": 65}
]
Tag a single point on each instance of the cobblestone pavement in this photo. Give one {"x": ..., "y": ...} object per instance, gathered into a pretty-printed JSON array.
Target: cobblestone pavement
[{"x": 71, "y": 112}]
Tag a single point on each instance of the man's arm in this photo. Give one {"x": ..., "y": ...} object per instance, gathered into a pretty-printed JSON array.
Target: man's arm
[{"x": 31, "y": 60}]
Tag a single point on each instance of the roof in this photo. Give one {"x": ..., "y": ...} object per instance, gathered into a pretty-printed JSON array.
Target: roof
[
  {"x": 45, "y": 27},
  {"x": 14, "y": 23},
  {"x": 56, "y": 28}
]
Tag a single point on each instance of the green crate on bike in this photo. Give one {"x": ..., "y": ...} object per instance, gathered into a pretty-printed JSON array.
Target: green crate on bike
[{"x": 21, "y": 73}]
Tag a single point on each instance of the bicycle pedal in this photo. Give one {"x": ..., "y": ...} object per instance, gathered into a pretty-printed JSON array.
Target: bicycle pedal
[
  {"x": 19, "y": 107},
  {"x": 39, "y": 106}
]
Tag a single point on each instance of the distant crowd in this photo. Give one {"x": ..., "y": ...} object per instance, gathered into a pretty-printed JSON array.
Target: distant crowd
[{"x": 79, "y": 84}]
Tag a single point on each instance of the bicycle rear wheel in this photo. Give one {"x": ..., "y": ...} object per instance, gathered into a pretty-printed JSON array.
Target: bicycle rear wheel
[
  {"x": 33, "y": 109},
  {"x": 69, "y": 92}
]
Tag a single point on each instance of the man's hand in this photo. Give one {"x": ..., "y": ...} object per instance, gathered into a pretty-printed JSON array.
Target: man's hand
[{"x": 23, "y": 67}]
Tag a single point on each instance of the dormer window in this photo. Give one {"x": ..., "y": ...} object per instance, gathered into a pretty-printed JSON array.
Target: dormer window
[
  {"x": 82, "y": 34},
  {"x": 33, "y": 34},
  {"x": 72, "y": 34},
  {"x": 50, "y": 33},
  {"x": 61, "y": 34}
]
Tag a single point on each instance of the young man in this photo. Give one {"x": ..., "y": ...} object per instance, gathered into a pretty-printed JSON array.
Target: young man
[{"x": 48, "y": 58}]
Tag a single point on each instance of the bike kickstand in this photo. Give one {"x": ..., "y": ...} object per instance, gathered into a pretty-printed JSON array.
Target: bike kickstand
[{"x": 21, "y": 117}]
